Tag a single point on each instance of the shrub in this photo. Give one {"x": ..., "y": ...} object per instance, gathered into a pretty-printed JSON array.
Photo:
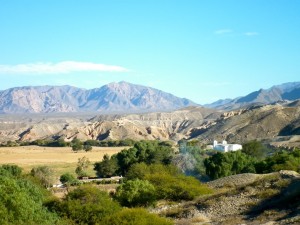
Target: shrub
[
  {"x": 44, "y": 174},
  {"x": 176, "y": 188},
  {"x": 87, "y": 148},
  {"x": 67, "y": 178},
  {"x": 14, "y": 170},
  {"x": 87, "y": 205},
  {"x": 168, "y": 181},
  {"x": 136, "y": 193},
  {"x": 135, "y": 216}
]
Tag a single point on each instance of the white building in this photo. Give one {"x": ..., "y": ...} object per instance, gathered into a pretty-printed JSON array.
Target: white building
[{"x": 224, "y": 147}]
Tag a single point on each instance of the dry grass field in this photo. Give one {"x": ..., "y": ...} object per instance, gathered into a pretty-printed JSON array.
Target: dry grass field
[{"x": 60, "y": 159}]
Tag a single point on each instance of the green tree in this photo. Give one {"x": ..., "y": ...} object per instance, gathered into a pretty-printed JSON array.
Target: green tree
[
  {"x": 82, "y": 165},
  {"x": 136, "y": 193},
  {"x": 44, "y": 174},
  {"x": 92, "y": 142},
  {"x": 21, "y": 202},
  {"x": 87, "y": 148},
  {"x": 282, "y": 160},
  {"x": 67, "y": 178},
  {"x": 144, "y": 151},
  {"x": 107, "y": 167},
  {"x": 76, "y": 145},
  {"x": 226, "y": 164},
  {"x": 255, "y": 149}
]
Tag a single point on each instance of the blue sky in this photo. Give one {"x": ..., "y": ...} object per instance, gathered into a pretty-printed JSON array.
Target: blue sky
[{"x": 201, "y": 50}]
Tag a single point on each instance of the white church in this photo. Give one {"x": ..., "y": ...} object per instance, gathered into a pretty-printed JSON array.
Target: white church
[{"x": 224, "y": 147}]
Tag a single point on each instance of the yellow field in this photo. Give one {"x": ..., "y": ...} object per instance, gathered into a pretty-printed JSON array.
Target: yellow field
[{"x": 60, "y": 159}]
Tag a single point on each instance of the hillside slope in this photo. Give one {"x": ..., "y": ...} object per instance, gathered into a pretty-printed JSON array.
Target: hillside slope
[
  {"x": 264, "y": 122},
  {"x": 250, "y": 199},
  {"x": 164, "y": 126}
]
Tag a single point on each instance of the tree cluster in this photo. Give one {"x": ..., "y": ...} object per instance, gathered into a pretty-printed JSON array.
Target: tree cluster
[
  {"x": 254, "y": 158},
  {"x": 143, "y": 151},
  {"x": 24, "y": 201}
]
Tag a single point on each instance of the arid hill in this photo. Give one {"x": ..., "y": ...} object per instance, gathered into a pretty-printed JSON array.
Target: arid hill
[
  {"x": 250, "y": 199},
  {"x": 275, "y": 124},
  {"x": 164, "y": 126},
  {"x": 262, "y": 122}
]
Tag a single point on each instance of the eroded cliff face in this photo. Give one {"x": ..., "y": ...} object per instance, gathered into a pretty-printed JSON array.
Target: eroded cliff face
[
  {"x": 164, "y": 126},
  {"x": 264, "y": 123}
]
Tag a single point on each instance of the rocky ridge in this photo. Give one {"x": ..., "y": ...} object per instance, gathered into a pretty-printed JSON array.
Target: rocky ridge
[
  {"x": 113, "y": 97},
  {"x": 280, "y": 94}
]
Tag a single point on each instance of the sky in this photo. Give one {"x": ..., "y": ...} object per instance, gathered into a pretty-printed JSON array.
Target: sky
[{"x": 203, "y": 50}]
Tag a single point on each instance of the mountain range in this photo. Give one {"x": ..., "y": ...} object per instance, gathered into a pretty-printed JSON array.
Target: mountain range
[
  {"x": 113, "y": 97},
  {"x": 123, "y": 97},
  {"x": 276, "y": 94}
]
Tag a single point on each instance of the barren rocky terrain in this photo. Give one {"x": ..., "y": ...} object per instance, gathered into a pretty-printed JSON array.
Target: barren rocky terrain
[{"x": 278, "y": 125}]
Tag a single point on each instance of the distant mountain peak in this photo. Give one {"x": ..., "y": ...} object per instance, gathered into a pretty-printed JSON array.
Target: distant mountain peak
[
  {"x": 113, "y": 97},
  {"x": 277, "y": 93}
]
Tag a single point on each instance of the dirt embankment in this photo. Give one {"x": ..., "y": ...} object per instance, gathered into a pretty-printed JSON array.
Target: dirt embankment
[{"x": 250, "y": 199}]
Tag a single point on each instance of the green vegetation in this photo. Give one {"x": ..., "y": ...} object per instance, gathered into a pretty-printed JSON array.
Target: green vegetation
[
  {"x": 143, "y": 151},
  {"x": 226, "y": 164},
  {"x": 252, "y": 159},
  {"x": 150, "y": 161},
  {"x": 149, "y": 176},
  {"x": 86, "y": 205},
  {"x": 62, "y": 143},
  {"x": 136, "y": 216},
  {"x": 68, "y": 179},
  {"x": 255, "y": 149},
  {"x": 108, "y": 167},
  {"x": 168, "y": 181},
  {"x": 282, "y": 160},
  {"x": 82, "y": 166},
  {"x": 21, "y": 200},
  {"x": 44, "y": 174},
  {"x": 136, "y": 193}
]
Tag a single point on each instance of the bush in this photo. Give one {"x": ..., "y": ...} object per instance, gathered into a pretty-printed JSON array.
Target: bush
[
  {"x": 87, "y": 205},
  {"x": 136, "y": 193},
  {"x": 14, "y": 170},
  {"x": 44, "y": 174},
  {"x": 135, "y": 216},
  {"x": 177, "y": 188},
  {"x": 168, "y": 181},
  {"x": 87, "y": 148},
  {"x": 68, "y": 178}
]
